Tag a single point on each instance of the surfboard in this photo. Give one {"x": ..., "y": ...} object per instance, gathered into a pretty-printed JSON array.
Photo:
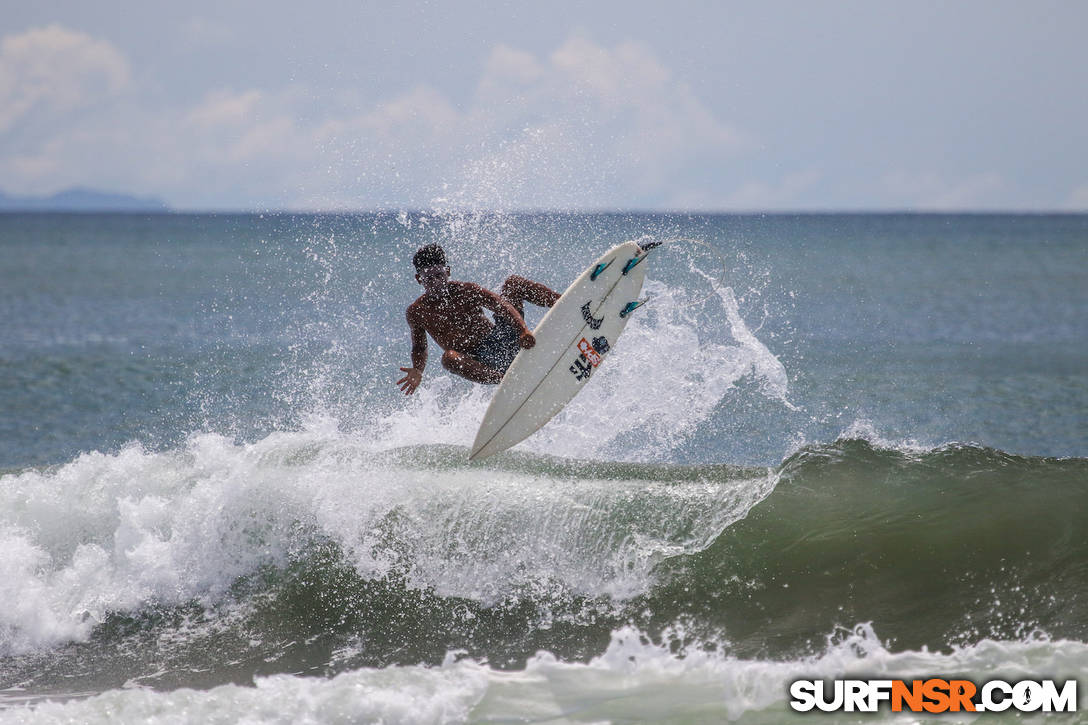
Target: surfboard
[{"x": 572, "y": 340}]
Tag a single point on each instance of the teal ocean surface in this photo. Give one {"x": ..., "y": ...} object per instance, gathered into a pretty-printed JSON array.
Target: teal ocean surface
[{"x": 859, "y": 449}]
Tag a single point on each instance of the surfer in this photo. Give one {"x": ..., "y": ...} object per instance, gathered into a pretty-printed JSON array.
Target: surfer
[{"x": 453, "y": 314}]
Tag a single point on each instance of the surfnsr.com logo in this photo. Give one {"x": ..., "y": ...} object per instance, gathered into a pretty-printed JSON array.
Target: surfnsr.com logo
[{"x": 933, "y": 695}]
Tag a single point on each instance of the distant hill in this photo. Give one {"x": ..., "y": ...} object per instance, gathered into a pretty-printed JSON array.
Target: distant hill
[{"x": 81, "y": 199}]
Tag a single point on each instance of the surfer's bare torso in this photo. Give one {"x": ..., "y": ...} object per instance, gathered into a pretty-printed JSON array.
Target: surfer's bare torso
[
  {"x": 452, "y": 313},
  {"x": 456, "y": 319}
]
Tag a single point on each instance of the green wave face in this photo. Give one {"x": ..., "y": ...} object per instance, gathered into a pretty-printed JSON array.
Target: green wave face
[{"x": 934, "y": 548}]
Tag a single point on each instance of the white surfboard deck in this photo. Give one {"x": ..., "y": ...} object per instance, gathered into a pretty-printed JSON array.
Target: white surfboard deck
[{"x": 572, "y": 341}]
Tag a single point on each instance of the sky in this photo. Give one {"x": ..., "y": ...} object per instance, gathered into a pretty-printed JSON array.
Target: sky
[{"x": 680, "y": 106}]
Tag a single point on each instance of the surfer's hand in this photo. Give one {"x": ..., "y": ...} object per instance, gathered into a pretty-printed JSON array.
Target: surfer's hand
[
  {"x": 411, "y": 381},
  {"x": 527, "y": 340}
]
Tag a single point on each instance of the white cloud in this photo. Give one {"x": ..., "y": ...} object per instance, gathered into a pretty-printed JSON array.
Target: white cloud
[
  {"x": 932, "y": 191},
  {"x": 56, "y": 70},
  {"x": 225, "y": 108},
  {"x": 585, "y": 126},
  {"x": 1078, "y": 199},
  {"x": 508, "y": 68},
  {"x": 758, "y": 195},
  {"x": 420, "y": 116},
  {"x": 202, "y": 31},
  {"x": 617, "y": 111}
]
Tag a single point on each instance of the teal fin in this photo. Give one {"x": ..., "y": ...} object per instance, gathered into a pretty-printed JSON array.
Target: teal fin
[
  {"x": 600, "y": 268},
  {"x": 633, "y": 262}
]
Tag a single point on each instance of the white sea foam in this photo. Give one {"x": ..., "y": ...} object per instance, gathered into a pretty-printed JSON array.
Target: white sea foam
[
  {"x": 863, "y": 429},
  {"x": 634, "y": 680},
  {"x": 123, "y": 532}
]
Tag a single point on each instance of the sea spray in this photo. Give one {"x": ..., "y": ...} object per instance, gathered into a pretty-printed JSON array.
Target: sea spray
[{"x": 117, "y": 533}]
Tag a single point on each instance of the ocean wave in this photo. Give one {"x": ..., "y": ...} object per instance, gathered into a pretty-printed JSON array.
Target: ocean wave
[
  {"x": 637, "y": 677},
  {"x": 938, "y": 546},
  {"x": 135, "y": 530},
  {"x": 987, "y": 543}
]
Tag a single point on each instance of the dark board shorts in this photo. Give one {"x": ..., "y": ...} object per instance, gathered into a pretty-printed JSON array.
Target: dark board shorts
[{"x": 499, "y": 348}]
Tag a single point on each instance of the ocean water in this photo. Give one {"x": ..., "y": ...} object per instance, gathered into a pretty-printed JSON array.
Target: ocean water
[{"x": 861, "y": 448}]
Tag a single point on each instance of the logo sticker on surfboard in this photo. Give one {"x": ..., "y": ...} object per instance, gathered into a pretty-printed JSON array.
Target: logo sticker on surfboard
[
  {"x": 590, "y": 355},
  {"x": 588, "y": 352},
  {"x": 593, "y": 322}
]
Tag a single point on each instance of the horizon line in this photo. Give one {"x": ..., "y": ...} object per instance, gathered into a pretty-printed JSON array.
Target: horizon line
[{"x": 529, "y": 211}]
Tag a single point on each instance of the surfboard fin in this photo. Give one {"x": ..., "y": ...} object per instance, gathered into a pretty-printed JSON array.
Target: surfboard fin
[
  {"x": 600, "y": 268},
  {"x": 631, "y": 307},
  {"x": 632, "y": 263}
]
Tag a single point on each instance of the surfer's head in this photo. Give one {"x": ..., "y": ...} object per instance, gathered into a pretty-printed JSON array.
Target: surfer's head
[{"x": 431, "y": 269}]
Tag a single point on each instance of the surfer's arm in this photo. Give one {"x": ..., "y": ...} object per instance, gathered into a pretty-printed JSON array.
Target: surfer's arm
[{"x": 414, "y": 375}]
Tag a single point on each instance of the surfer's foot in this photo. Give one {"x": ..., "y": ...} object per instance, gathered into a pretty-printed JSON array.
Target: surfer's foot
[
  {"x": 470, "y": 368},
  {"x": 518, "y": 290}
]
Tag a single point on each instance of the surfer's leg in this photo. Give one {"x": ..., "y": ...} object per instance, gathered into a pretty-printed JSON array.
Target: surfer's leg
[
  {"x": 470, "y": 368},
  {"x": 518, "y": 290}
]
